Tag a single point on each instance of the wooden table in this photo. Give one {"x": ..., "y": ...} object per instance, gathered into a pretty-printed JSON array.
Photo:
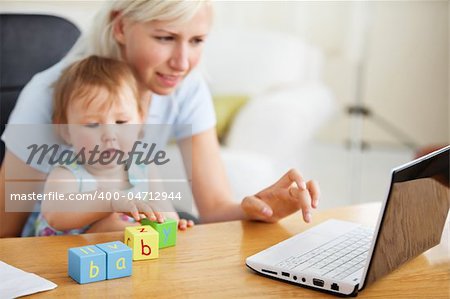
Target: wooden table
[{"x": 209, "y": 262}]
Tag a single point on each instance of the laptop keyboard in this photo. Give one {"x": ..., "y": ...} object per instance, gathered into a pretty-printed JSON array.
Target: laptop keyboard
[{"x": 338, "y": 258}]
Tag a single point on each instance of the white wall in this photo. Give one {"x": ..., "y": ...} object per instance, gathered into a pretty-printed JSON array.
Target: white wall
[
  {"x": 406, "y": 79},
  {"x": 79, "y": 12},
  {"x": 406, "y": 67},
  {"x": 407, "y": 74}
]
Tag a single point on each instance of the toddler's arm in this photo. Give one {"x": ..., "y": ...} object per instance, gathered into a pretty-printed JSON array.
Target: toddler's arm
[
  {"x": 112, "y": 223},
  {"x": 62, "y": 181}
]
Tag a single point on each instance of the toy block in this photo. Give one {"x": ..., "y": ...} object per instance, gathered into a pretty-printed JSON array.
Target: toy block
[
  {"x": 87, "y": 264},
  {"x": 118, "y": 259},
  {"x": 167, "y": 231},
  {"x": 143, "y": 240}
]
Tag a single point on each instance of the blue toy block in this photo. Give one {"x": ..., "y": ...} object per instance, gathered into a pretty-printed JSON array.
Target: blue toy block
[
  {"x": 87, "y": 264},
  {"x": 118, "y": 259}
]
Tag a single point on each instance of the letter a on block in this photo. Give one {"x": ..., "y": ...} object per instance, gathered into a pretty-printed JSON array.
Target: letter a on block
[
  {"x": 118, "y": 259},
  {"x": 144, "y": 241},
  {"x": 120, "y": 264}
]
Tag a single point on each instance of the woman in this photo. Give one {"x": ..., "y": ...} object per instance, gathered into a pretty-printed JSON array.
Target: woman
[{"x": 162, "y": 41}]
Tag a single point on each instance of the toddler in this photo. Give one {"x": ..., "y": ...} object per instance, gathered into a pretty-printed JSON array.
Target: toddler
[{"x": 98, "y": 110}]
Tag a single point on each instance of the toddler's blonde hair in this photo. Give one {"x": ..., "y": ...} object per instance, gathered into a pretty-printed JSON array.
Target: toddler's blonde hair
[{"x": 83, "y": 79}]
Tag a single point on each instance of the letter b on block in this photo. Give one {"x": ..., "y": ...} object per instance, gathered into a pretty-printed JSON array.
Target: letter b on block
[
  {"x": 118, "y": 259},
  {"x": 143, "y": 240},
  {"x": 87, "y": 264}
]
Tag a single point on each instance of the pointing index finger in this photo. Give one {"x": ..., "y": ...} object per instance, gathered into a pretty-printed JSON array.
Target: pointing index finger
[{"x": 292, "y": 176}]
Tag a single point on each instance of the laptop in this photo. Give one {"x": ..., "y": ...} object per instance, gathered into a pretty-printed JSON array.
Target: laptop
[{"x": 342, "y": 258}]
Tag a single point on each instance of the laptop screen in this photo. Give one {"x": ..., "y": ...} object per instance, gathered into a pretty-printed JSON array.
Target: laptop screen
[{"x": 414, "y": 213}]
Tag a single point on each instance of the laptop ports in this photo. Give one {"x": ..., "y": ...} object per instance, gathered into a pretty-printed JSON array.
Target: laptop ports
[
  {"x": 335, "y": 286},
  {"x": 286, "y": 274},
  {"x": 269, "y": 271},
  {"x": 318, "y": 282}
]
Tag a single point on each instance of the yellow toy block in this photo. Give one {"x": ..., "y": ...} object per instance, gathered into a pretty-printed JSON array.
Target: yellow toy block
[{"x": 143, "y": 240}]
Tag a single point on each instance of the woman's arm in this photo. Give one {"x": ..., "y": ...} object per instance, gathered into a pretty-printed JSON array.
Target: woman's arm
[
  {"x": 210, "y": 186},
  {"x": 22, "y": 179},
  {"x": 37, "y": 93},
  {"x": 212, "y": 191}
]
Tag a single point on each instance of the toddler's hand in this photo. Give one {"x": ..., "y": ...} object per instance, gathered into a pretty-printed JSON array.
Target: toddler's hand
[
  {"x": 151, "y": 209},
  {"x": 112, "y": 223},
  {"x": 183, "y": 224}
]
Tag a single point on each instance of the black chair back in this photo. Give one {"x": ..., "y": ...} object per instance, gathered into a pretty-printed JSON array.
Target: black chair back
[{"x": 28, "y": 44}]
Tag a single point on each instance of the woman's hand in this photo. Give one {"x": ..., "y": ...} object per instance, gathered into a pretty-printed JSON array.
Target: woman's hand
[{"x": 290, "y": 194}]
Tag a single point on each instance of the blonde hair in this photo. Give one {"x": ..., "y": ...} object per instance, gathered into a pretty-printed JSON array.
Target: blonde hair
[
  {"x": 82, "y": 80},
  {"x": 100, "y": 40}
]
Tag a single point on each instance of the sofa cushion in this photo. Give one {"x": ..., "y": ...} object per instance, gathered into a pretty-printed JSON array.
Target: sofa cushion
[{"x": 226, "y": 107}]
